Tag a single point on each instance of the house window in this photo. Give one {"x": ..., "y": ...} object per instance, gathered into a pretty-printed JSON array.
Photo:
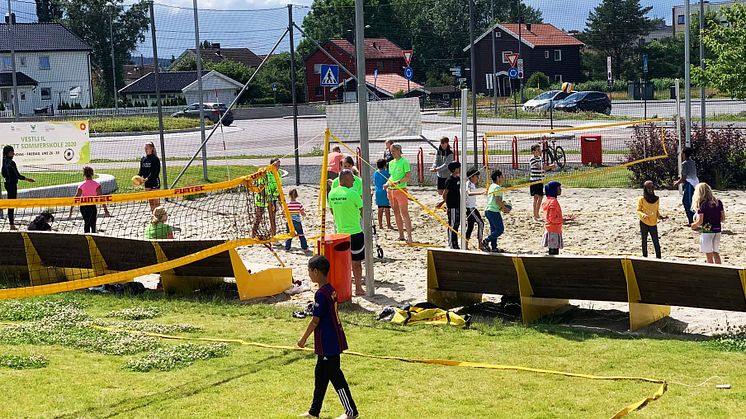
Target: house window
[
  {"x": 558, "y": 78},
  {"x": 44, "y": 63},
  {"x": 498, "y": 34},
  {"x": 546, "y": 54},
  {"x": 7, "y": 63},
  {"x": 46, "y": 93},
  {"x": 23, "y": 96},
  {"x": 557, "y": 55},
  {"x": 381, "y": 66},
  {"x": 505, "y": 56},
  {"x": 680, "y": 20},
  {"x": 446, "y": 96},
  {"x": 319, "y": 91},
  {"x": 23, "y": 61},
  {"x": 317, "y": 69}
]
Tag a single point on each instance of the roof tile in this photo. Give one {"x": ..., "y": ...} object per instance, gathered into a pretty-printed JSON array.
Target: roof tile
[{"x": 41, "y": 37}]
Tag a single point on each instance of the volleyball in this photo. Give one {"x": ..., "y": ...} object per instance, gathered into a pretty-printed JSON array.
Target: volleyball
[{"x": 138, "y": 180}]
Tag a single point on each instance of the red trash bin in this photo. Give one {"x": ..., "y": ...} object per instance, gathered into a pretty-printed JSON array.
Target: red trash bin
[
  {"x": 591, "y": 151},
  {"x": 336, "y": 248}
]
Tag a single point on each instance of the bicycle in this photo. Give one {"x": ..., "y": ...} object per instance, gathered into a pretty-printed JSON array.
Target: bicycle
[{"x": 554, "y": 154}]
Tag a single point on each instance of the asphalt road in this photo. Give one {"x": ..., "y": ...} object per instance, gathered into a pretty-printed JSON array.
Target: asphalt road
[{"x": 667, "y": 109}]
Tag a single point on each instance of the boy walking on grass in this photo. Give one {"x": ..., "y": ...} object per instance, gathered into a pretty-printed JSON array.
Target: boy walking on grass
[{"x": 329, "y": 342}]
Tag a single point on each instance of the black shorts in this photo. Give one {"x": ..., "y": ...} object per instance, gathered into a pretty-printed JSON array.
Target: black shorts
[
  {"x": 331, "y": 175},
  {"x": 441, "y": 183},
  {"x": 357, "y": 246},
  {"x": 537, "y": 189}
]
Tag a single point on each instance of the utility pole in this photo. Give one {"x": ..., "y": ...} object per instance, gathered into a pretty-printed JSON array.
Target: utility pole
[
  {"x": 687, "y": 74},
  {"x": 11, "y": 38},
  {"x": 702, "y": 100},
  {"x": 362, "y": 101},
  {"x": 112, "y": 6},
  {"x": 291, "y": 29},
  {"x": 494, "y": 63},
  {"x": 199, "y": 88},
  {"x": 473, "y": 64},
  {"x": 520, "y": 45},
  {"x": 159, "y": 101}
]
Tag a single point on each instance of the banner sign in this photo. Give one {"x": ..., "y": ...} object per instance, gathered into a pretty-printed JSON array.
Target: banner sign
[{"x": 53, "y": 143}]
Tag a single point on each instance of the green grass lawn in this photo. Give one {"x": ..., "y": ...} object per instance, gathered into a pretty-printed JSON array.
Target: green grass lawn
[
  {"x": 193, "y": 176},
  {"x": 254, "y": 382},
  {"x": 141, "y": 124}
]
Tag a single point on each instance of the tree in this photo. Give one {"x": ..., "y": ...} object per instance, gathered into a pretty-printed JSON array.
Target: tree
[
  {"x": 437, "y": 30},
  {"x": 614, "y": 29},
  {"x": 48, "y": 11},
  {"x": 726, "y": 71},
  {"x": 89, "y": 20}
]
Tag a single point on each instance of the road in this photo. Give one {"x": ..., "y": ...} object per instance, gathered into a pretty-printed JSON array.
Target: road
[{"x": 667, "y": 109}]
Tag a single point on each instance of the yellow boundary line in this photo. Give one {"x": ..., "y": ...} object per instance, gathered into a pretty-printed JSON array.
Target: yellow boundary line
[{"x": 663, "y": 384}]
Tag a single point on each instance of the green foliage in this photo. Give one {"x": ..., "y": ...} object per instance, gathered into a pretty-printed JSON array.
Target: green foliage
[
  {"x": 141, "y": 123},
  {"x": 613, "y": 29},
  {"x": 538, "y": 80},
  {"x": 2, "y": 106},
  {"x": 729, "y": 343},
  {"x": 178, "y": 356},
  {"x": 436, "y": 30},
  {"x": 726, "y": 71},
  {"x": 23, "y": 362},
  {"x": 150, "y": 327},
  {"x": 89, "y": 19},
  {"x": 48, "y": 11},
  {"x": 277, "y": 70}
]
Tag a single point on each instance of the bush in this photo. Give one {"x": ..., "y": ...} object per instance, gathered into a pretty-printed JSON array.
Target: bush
[
  {"x": 720, "y": 155},
  {"x": 538, "y": 80}
]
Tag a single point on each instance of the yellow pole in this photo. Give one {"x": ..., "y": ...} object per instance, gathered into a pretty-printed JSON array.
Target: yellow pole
[{"x": 322, "y": 191}]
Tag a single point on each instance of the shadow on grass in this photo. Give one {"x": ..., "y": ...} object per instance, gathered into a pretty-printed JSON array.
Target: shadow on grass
[{"x": 181, "y": 391}]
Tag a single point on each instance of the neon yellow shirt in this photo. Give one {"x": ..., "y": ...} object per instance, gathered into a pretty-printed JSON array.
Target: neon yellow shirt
[
  {"x": 398, "y": 169},
  {"x": 346, "y": 204}
]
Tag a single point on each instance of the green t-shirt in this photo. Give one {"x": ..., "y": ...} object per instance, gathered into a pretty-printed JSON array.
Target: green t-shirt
[
  {"x": 271, "y": 188},
  {"x": 346, "y": 204},
  {"x": 398, "y": 169},
  {"x": 357, "y": 184},
  {"x": 158, "y": 231},
  {"x": 493, "y": 193}
]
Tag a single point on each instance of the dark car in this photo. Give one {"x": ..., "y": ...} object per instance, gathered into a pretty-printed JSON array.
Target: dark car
[
  {"x": 585, "y": 101},
  {"x": 213, "y": 111}
]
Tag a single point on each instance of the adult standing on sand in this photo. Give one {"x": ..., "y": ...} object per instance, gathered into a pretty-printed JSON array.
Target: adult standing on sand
[
  {"x": 443, "y": 157},
  {"x": 12, "y": 176},
  {"x": 334, "y": 163},
  {"x": 150, "y": 170},
  {"x": 347, "y": 208},
  {"x": 400, "y": 172},
  {"x": 690, "y": 181}
]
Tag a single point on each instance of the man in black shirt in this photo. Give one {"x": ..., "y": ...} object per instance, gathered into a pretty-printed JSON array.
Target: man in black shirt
[
  {"x": 452, "y": 199},
  {"x": 12, "y": 176}
]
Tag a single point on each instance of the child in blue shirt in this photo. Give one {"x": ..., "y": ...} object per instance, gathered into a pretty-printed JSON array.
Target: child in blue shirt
[
  {"x": 329, "y": 342},
  {"x": 380, "y": 177}
]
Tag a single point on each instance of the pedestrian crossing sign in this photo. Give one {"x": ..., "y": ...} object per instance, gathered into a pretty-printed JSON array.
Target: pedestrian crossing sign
[{"x": 329, "y": 75}]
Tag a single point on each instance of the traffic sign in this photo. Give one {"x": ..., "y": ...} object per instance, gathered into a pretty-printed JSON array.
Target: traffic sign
[
  {"x": 513, "y": 73},
  {"x": 645, "y": 63},
  {"x": 520, "y": 68},
  {"x": 408, "y": 73},
  {"x": 489, "y": 77},
  {"x": 512, "y": 59},
  {"x": 407, "y": 53},
  {"x": 455, "y": 71},
  {"x": 608, "y": 69},
  {"x": 329, "y": 75},
  {"x": 274, "y": 87}
]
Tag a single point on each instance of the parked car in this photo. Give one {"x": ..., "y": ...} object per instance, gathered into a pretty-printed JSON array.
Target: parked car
[
  {"x": 542, "y": 102},
  {"x": 585, "y": 101},
  {"x": 213, "y": 111}
]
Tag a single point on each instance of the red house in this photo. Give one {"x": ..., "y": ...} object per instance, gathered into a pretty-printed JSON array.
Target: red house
[{"x": 379, "y": 53}]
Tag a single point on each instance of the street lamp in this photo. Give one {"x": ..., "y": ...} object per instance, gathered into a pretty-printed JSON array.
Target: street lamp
[{"x": 111, "y": 6}]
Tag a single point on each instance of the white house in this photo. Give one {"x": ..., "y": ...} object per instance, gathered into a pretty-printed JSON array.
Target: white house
[
  {"x": 216, "y": 87},
  {"x": 52, "y": 66}
]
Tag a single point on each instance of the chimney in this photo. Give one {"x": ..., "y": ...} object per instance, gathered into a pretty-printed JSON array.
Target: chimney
[
  {"x": 8, "y": 18},
  {"x": 528, "y": 27}
]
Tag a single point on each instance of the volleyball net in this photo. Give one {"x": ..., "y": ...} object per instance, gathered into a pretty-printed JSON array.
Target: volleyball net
[
  {"x": 47, "y": 242},
  {"x": 603, "y": 155}
]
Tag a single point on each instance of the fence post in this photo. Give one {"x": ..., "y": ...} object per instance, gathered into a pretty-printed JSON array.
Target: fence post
[
  {"x": 514, "y": 146},
  {"x": 485, "y": 156},
  {"x": 421, "y": 166}
]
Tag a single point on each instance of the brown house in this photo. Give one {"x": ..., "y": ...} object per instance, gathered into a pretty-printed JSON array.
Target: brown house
[{"x": 217, "y": 54}]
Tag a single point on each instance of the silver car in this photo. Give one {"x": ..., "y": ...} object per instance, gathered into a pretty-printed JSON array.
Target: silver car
[{"x": 542, "y": 102}]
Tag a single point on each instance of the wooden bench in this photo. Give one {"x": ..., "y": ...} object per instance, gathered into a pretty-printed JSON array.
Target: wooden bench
[
  {"x": 47, "y": 258},
  {"x": 546, "y": 283}
]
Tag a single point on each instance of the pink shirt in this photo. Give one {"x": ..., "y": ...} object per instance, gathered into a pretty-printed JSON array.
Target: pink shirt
[
  {"x": 334, "y": 162},
  {"x": 89, "y": 188}
]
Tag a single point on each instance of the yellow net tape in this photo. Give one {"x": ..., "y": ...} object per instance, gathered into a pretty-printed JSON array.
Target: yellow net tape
[{"x": 663, "y": 385}]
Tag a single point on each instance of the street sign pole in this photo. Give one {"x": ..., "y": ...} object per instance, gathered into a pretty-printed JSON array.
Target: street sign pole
[
  {"x": 293, "y": 94},
  {"x": 702, "y": 104},
  {"x": 687, "y": 74},
  {"x": 473, "y": 64}
]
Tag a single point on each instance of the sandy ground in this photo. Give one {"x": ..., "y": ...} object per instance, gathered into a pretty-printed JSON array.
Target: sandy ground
[{"x": 605, "y": 224}]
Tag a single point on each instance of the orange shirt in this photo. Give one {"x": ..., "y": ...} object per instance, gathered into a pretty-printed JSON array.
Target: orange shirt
[
  {"x": 552, "y": 215},
  {"x": 334, "y": 162}
]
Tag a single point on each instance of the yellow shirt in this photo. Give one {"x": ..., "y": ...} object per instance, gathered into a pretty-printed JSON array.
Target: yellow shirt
[{"x": 651, "y": 210}]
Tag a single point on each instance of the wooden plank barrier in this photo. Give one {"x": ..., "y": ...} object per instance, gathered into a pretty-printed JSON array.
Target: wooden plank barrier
[
  {"x": 46, "y": 258},
  {"x": 545, "y": 284}
]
